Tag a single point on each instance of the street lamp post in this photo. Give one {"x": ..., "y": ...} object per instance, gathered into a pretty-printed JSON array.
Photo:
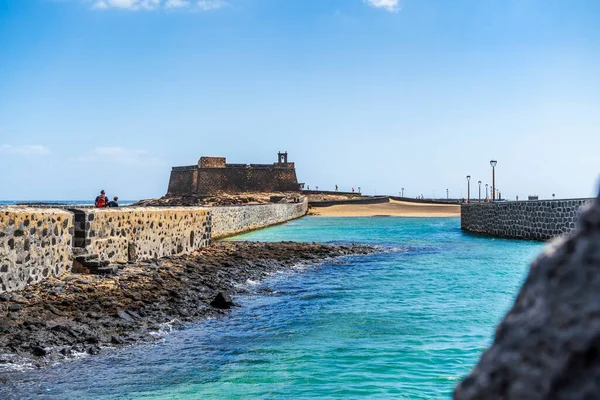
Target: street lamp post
[
  {"x": 493, "y": 164},
  {"x": 486, "y": 191},
  {"x": 447, "y": 194},
  {"x": 468, "y": 188},
  {"x": 402, "y": 192},
  {"x": 479, "y": 183}
]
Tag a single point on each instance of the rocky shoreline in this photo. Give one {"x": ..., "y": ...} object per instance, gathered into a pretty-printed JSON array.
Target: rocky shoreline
[
  {"x": 222, "y": 199},
  {"x": 77, "y": 313}
]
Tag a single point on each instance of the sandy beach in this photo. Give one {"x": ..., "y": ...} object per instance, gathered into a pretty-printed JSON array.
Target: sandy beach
[{"x": 392, "y": 209}]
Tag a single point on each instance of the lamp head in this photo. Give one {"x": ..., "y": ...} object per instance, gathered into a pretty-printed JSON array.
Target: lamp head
[
  {"x": 479, "y": 182},
  {"x": 493, "y": 163},
  {"x": 468, "y": 177}
]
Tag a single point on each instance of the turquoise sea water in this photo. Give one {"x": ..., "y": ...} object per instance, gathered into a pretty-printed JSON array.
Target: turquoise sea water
[{"x": 405, "y": 323}]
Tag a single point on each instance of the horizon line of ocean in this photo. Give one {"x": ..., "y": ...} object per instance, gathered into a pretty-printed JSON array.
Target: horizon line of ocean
[{"x": 59, "y": 202}]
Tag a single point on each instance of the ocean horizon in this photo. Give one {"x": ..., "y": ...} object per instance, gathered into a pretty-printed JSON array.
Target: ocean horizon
[{"x": 89, "y": 202}]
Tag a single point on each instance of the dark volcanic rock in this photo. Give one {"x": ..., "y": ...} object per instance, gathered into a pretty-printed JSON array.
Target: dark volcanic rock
[
  {"x": 45, "y": 324},
  {"x": 548, "y": 345},
  {"x": 222, "y": 301}
]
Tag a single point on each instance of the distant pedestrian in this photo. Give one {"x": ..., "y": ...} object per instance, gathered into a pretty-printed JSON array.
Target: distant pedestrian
[
  {"x": 352, "y": 190},
  {"x": 336, "y": 188},
  {"x": 114, "y": 202},
  {"x": 102, "y": 200}
]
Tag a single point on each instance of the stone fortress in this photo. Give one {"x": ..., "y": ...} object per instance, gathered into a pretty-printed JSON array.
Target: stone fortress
[{"x": 213, "y": 175}]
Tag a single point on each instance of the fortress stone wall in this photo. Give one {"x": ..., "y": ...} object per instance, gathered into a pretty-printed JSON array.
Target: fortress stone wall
[
  {"x": 34, "y": 245},
  {"x": 213, "y": 175},
  {"x": 39, "y": 243},
  {"x": 536, "y": 220}
]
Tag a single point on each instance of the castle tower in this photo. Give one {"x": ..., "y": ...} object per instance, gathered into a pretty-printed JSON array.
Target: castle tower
[{"x": 282, "y": 158}]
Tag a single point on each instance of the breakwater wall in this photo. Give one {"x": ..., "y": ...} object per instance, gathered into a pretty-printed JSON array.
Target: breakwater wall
[
  {"x": 426, "y": 201},
  {"x": 359, "y": 200},
  {"x": 36, "y": 244},
  {"x": 534, "y": 220},
  {"x": 141, "y": 233},
  {"x": 232, "y": 220}
]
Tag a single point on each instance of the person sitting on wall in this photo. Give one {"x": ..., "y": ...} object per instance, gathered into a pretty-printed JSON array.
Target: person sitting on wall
[
  {"x": 102, "y": 200},
  {"x": 114, "y": 202}
]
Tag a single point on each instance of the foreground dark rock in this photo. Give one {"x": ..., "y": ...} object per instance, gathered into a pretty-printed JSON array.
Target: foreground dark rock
[
  {"x": 84, "y": 313},
  {"x": 548, "y": 345},
  {"x": 222, "y": 301}
]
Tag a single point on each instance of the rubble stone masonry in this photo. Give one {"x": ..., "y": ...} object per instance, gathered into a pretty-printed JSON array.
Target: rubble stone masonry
[
  {"x": 138, "y": 233},
  {"x": 227, "y": 221},
  {"x": 536, "y": 220},
  {"x": 39, "y": 243},
  {"x": 34, "y": 244}
]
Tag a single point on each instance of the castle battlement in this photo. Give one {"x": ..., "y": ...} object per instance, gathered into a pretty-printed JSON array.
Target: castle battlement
[{"x": 213, "y": 175}]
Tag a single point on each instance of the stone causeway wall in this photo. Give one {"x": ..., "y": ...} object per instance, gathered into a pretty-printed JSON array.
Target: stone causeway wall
[
  {"x": 360, "y": 200},
  {"x": 232, "y": 220},
  {"x": 34, "y": 245},
  {"x": 39, "y": 243},
  {"x": 535, "y": 220},
  {"x": 138, "y": 233}
]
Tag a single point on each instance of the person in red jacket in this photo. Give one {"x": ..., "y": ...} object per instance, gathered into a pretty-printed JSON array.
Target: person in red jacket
[{"x": 102, "y": 200}]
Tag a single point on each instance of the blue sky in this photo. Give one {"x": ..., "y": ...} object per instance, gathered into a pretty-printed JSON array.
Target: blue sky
[{"x": 381, "y": 94}]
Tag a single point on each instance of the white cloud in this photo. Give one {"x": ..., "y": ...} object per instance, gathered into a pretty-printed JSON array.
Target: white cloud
[
  {"x": 99, "y": 5},
  {"x": 177, "y": 3},
  {"x": 125, "y": 4},
  {"x": 120, "y": 155},
  {"x": 26, "y": 150},
  {"x": 208, "y": 5},
  {"x": 389, "y": 5},
  {"x": 204, "y": 5}
]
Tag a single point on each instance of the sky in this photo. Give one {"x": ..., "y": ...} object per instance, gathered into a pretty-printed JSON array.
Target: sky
[{"x": 377, "y": 94}]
